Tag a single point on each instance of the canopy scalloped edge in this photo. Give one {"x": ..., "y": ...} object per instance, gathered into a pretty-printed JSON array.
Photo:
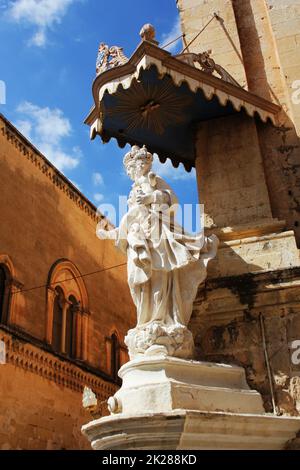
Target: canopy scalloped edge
[
  {"x": 148, "y": 55},
  {"x": 96, "y": 129},
  {"x": 194, "y": 85}
]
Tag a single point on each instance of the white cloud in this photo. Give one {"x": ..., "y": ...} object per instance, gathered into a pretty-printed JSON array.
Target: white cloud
[
  {"x": 98, "y": 197},
  {"x": 43, "y": 14},
  {"x": 50, "y": 124},
  {"x": 46, "y": 128},
  {"x": 97, "y": 179},
  {"x": 166, "y": 170},
  {"x": 25, "y": 128},
  {"x": 38, "y": 39},
  {"x": 174, "y": 32}
]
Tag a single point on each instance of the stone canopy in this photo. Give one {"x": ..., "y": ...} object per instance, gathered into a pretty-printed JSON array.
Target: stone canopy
[{"x": 158, "y": 100}]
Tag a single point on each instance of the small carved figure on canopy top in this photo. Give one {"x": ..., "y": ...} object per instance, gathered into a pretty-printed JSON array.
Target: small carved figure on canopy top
[
  {"x": 109, "y": 57},
  {"x": 208, "y": 65},
  {"x": 102, "y": 58},
  {"x": 117, "y": 56}
]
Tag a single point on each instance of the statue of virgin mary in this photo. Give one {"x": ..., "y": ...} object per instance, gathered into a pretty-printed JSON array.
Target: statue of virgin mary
[{"x": 165, "y": 265}]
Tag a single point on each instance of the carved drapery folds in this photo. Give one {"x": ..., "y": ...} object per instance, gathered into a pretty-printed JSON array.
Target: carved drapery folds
[{"x": 67, "y": 311}]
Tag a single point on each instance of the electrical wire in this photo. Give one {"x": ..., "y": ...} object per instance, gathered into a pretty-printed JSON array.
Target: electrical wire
[
  {"x": 173, "y": 40},
  {"x": 69, "y": 279},
  {"x": 215, "y": 16},
  {"x": 198, "y": 34}
]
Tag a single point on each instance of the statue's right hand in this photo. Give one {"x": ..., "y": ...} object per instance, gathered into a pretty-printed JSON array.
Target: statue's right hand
[
  {"x": 102, "y": 234},
  {"x": 106, "y": 234}
]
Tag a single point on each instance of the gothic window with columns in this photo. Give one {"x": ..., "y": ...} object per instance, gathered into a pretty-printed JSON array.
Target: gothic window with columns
[
  {"x": 67, "y": 311},
  {"x": 65, "y": 324}
]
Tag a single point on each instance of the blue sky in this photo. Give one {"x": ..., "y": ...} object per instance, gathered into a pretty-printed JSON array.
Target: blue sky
[{"x": 48, "y": 50}]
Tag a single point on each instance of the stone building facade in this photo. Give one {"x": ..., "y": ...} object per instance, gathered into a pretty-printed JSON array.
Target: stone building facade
[
  {"x": 61, "y": 325},
  {"x": 248, "y": 312},
  {"x": 258, "y": 43}
]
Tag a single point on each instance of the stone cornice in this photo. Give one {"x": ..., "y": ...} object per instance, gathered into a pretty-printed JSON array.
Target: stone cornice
[
  {"x": 32, "y": 358},
  {"x": 27, "y": 149},
  {"x": 253, "y": 292},
  {"x": 264, "y": 278},
  {"x": 234, "y": 235}
]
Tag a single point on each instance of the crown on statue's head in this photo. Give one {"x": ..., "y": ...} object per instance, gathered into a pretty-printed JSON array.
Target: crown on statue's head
[{"x": 135, "y": 153}]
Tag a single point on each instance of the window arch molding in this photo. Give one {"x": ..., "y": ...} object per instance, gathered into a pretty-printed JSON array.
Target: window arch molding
[
  {"x": 12, "y": 285},
  {"x": 67, "y": 277}
]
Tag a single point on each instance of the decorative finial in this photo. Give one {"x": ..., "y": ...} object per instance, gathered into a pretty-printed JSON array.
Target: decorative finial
[{"x": 147, "y": 33}]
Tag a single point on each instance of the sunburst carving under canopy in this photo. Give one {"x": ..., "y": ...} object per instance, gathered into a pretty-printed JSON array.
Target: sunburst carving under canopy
[{"x": 150, "y": 106}]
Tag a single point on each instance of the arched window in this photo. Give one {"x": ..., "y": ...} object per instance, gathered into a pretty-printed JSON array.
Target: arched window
[
  {"x": 67, "y": 311},
  {"x": 64, "y": 325},
  {"x": 2, "y": 293}
]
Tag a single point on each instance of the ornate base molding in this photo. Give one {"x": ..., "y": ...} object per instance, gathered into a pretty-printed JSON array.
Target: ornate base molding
[{"x": 194, "y": 430}]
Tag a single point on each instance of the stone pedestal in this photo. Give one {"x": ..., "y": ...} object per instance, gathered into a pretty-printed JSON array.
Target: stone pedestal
[
  {"x": 161, "y": 384},
  {"x": 171, "y": 403}
]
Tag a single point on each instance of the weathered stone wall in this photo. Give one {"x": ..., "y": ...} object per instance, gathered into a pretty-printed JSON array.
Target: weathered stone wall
[
  {"x": 257, "y": 41},
  {"x": 227, "y": 328},
  {"x": 35, "y": 414},
  {"x": 254, "y": 251},
  {"x": 231, "y": 183},
  {"x": 268, "y": 33},
  {"x": 221, "y": 37},
  {"x": 284, "y": 17},
  {"x": 41, "y": 396}
]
